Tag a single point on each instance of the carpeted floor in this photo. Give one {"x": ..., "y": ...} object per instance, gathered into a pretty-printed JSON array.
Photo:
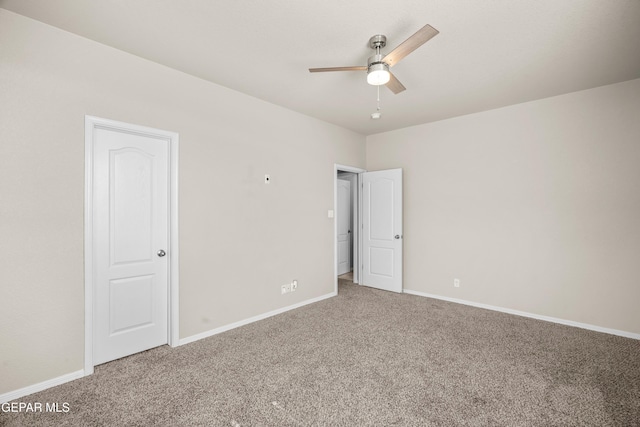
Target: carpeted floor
[{"x": 366, "y": 358}]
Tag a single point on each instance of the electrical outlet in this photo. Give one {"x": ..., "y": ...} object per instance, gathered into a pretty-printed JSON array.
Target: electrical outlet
[
  {"x": 285, "y": 289},
  {"x": 294, "y": 285},
  {"x": 456, "y": 283}
]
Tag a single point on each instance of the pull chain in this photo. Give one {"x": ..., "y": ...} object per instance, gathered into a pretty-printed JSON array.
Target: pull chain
[{"x": 377, "y": 114}]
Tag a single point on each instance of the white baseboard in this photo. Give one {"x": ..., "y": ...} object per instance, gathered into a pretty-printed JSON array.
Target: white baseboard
[
  {"x": 531, "y": 315},
  {"x": 225, "y": 328},
  {"x": 25, "y": 391}
]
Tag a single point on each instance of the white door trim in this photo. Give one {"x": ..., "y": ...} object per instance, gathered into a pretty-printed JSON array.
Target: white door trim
[
  {"x": 356, "y": 232},
  {"x": 91, "y": 123}
]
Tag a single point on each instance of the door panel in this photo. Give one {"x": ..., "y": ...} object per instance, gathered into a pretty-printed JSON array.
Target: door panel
[
  {"x": 381, "y": 261},
  {"x": 382, "y": 229},
  {"x": 381, "y": 209},
  {"x": 344, "y": 226},
  {"x": 129, "y": 303},
  {"x": 131, "y": 212}
]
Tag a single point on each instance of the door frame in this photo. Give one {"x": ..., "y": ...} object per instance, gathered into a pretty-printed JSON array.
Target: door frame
[
  {"x": 91, "y": 124},
  {"x": 357, "y": 218}
]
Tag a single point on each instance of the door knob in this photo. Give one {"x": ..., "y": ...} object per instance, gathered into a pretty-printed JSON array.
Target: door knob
[
  {"x": 161, "y": 253},
  {"x": 397, "y": 236}
]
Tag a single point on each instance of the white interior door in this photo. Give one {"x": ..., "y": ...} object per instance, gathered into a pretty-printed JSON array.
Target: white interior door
[
  {"x": 382, "y": 229},
  {"x": 344, "y": 226},
  {"x": 130, "y": 243}
]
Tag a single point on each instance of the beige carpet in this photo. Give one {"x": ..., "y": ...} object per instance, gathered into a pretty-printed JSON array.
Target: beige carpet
[{"x": 366, "y": 358}]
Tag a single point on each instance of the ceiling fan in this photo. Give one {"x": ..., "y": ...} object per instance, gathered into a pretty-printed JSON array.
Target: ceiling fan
[{"x": 377, "y": 67}]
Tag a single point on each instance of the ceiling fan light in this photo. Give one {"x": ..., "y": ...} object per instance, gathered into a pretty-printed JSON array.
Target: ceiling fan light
[{"x": 378, "y": 74}]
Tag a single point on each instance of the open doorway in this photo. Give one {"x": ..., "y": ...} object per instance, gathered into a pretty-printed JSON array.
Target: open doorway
[
  {"x": 368, "y": 245},
  {"x": 346, "y": 223},
  {"x": 345, "y": 213}
]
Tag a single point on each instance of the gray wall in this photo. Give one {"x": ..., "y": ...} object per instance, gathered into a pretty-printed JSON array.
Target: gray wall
[
  {"x": 534, "y": 207},
  {"x": 240, "y": 239}
]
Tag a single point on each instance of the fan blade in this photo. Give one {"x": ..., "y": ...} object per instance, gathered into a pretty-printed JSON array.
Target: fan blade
[
  {"x": 321, "y": 70},
  {"x": 394, "y": 84},
  {"x": 422, "y": 36}
]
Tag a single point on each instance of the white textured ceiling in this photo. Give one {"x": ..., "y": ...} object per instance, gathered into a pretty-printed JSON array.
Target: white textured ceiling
[{"x": 488, "y": 54}]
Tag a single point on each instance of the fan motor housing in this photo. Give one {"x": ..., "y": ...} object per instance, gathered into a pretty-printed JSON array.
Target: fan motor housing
[{"x": 375, "y": 62}]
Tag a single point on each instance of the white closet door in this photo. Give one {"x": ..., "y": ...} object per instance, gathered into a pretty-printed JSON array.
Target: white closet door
[{"x": 131, "y": 211}]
